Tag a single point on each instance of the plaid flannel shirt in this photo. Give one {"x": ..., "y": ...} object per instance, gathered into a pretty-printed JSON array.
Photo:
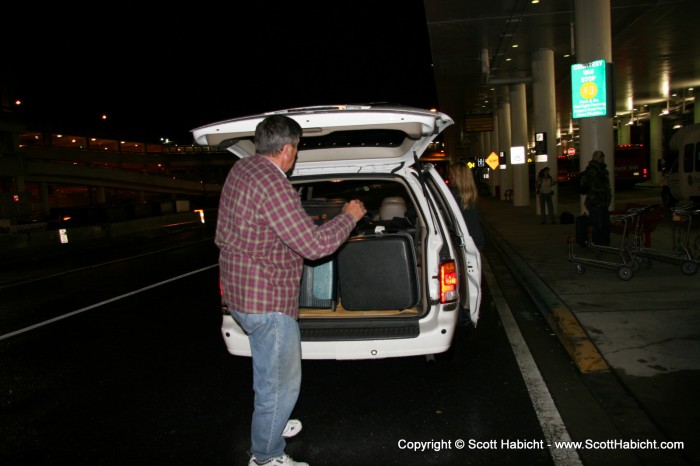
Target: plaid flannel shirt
[{"x": 264, "y": 234}]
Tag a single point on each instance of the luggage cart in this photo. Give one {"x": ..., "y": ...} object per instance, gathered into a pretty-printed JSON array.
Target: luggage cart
[
  {"x": 682, "y": 218},
  {"x": 624, "y": 263},
  {"x": 648, "y": 217}
]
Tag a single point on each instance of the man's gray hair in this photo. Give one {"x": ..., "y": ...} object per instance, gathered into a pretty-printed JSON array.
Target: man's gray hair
[{"x": 274, "y": 132}]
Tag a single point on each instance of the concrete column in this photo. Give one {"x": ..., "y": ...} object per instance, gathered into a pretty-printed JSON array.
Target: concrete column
[
  {"x": 506, "y": 176},
  {"x": 518, "y": 125},
  {"x": 544, "y": 112},
  {"x": 487, "y": 142},
  {"x": 624, "y": 133},
  {"x": 656, "y": 149},
  {"x": 483, "y": 145},
  {"x": 489, "y": 148},
  {"x": 696, "y": 111},
  {"x": 495, "y": 174},
  {"x": 593, "y": 42}
]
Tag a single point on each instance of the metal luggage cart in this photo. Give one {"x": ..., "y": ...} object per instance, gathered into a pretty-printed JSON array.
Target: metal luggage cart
[
  {"x": 624, "y": 261},
  {"x": 681, "y": 253},
  {"x": 646, "y": 220}
]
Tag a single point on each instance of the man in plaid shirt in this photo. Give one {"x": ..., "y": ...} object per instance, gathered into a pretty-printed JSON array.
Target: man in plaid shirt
[{"x": 264, "y": 234}]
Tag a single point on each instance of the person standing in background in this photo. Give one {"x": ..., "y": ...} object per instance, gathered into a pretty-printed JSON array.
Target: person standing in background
[
  {"x": 543, "y": 187},
  {"x": 264, "y": 234},
  {"x": 464, "y": 190},
  {"x": 595, "y": 180}
]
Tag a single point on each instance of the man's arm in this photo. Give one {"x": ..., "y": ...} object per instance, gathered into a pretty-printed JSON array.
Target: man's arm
[{"x": 296, "y": 229}]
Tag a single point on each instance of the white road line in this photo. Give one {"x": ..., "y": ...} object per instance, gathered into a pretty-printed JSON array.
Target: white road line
[
  {"x": 94, "y": 266},
  {"x": 550, "y": 420},
  {"x": 111, "y": 300}
]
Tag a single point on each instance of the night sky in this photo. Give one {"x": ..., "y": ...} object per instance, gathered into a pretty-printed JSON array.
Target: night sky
[{"x": 162, "y": 72}]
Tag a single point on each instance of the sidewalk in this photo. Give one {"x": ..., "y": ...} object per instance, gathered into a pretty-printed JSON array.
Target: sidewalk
[{"x": 646, "y": 330}]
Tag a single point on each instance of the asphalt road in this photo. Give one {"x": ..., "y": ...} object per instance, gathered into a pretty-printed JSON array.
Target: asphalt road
[
  {"x": 123, "y": 363},
  {"x": 115, "y": 357}
]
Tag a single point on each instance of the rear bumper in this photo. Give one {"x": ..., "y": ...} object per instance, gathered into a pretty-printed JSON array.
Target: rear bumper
[{"x": 370, "y": 341}]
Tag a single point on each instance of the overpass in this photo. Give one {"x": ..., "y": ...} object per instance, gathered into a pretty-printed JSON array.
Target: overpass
[{"x": 42, "y": 173}]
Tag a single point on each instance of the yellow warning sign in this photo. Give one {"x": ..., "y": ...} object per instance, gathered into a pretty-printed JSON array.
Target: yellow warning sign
[{"x": 492, "y": 160}]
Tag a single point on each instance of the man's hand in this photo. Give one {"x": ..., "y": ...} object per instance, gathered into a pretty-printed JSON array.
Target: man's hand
[{"x": 355, "y": 208}]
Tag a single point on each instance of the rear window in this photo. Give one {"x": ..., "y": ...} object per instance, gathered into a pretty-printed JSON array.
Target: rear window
[
  {"x": 355, "y": 138},
  {"x": 370, "y": 191},
  {"x": 688, "y": 156}
]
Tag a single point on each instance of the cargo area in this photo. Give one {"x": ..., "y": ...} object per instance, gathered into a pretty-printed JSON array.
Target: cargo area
[{"x": 375, "y": 273}]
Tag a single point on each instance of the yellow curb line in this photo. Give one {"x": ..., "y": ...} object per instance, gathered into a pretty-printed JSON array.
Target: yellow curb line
[{"x": 575, "y": 340}]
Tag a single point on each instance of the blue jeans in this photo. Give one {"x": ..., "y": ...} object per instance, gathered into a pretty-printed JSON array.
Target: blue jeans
[
  {"x": 275, "y": 345},
  {"x": 546, "y": 201}
]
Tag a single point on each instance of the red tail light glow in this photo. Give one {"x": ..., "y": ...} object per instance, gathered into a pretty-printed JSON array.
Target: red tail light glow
[{"x": 448, "y": 282}]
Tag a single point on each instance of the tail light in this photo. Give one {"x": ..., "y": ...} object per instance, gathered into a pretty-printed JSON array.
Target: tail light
[
  {"x": 448, "y": 282},
  {"x": 224, "y": 306}
]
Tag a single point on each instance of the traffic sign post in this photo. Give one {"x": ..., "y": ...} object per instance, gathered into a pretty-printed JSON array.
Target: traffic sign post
[
  {"x": 492, "y": 160},
  {"x": 540, "y": 143},
  {"x": 591, "y": 89}
]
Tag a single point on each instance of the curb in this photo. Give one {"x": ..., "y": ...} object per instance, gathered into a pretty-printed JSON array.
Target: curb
[{"x": 560, "y": 318}]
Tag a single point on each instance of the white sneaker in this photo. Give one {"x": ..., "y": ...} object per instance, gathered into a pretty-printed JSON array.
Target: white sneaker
[
  {"x": 292, "y": 428},
  {"x": 283, "y": 460}
]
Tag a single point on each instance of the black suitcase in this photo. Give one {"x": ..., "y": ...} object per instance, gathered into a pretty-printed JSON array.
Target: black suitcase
[
  {"x": 319, "y": 284},
  {"x": 582, "y": 224},
  {"x": 566, "y": 218},
  {"x": 378, "y": 271}
]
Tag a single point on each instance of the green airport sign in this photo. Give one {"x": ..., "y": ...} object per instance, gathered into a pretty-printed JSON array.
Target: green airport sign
[{"x": 590, "y": 89}]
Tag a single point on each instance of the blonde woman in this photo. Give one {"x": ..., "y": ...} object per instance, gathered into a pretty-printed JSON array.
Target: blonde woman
[{"x": 463, "y": 187}]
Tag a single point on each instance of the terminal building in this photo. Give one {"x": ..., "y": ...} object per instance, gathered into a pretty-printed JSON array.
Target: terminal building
[{"x": 503, "y": 72}]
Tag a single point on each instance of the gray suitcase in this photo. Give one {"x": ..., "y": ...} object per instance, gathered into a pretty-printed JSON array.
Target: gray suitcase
[{"x": 319, "y": 284}]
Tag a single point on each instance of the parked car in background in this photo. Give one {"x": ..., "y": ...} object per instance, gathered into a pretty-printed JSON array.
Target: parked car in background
[
  {"x": 399, "y": 284},
  {"x": 631, "y": 165}
]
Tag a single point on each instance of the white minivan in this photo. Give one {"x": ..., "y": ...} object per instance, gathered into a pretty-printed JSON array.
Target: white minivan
[
  {"x": 681, "y": 175},
  {"x": 399, "y": 285}
]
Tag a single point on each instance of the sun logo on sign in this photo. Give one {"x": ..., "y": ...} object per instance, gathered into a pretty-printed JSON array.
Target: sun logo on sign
[{"x": 589, "y": 90}]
